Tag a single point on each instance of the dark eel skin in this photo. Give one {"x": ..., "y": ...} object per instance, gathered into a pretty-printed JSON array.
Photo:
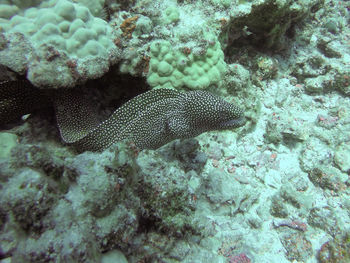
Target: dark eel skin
[{"x": 149, "y": 120}]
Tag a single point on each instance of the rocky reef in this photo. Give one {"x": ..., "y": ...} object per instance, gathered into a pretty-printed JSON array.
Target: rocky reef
[{"x": 273, "y": 190}]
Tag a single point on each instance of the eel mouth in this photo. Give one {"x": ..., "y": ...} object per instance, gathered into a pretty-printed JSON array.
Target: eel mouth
[{"x": 234, "y": 123}]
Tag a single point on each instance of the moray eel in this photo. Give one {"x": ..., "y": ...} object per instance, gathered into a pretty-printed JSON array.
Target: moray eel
[
  {"x": 18, "y": 98},
  {"x": 149, "y": 120}
]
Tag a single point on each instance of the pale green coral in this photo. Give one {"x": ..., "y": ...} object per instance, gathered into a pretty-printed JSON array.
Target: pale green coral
[
  {"x": 171, "y": 15},
  {"x": 58, "y": 43},
  {"x": 196, "y": 68},
  {"x": 67, "y": 26},
  {"x": 7, "y": 142}
]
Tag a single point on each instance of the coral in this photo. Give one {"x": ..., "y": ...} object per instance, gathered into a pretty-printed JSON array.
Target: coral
[
  {"x": 341, "y": 79},
  {"x": 335, "y": 250},
  {"x": 296, "y": 245},
  {"x": 166, "y": 199},
  {"x": 324, "y": 219},
  {"x": 29, "y": 198},
  {"x": 95, "y": 7},
  {"x": 283, "y": 127},
  {"x": 274, "y": 190},
  {"x": 171, "y": 15},
  {"x": 22, "y": 4},
  {"x": 196, "y": 68},
  {"x": 331, "y": 49},
  {"x": 289, "y": 201},
  {"x": 59, "y": 44},
  {"x": 278, "y": 208},
  {"x": 342, "y": 157},
  {"x": 74, "y": 225},
  {"x": 128, "y": 26},
  {"x": 318, "y": 71},
  {"x": 327, "y": 178},
  {"x": 7, "y": 142},
  {"x": 221, "y": 189},
  {"x": 187, "y": 152},
  {"x": 135, "y": 60},
  {"x": 266, "y": 68},
  {"x": 229, "y": 248},
  {"x": 189, "y": 45},
  {"x": 143, "y": 26},
  {"x": 113, "y": 256},
  {"x": 267, "y": 23}
]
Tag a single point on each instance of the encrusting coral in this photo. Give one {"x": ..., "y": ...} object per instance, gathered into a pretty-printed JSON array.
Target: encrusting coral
[
  {"x": 56, "y": 43},
  {"x": 149, "y": 120}
]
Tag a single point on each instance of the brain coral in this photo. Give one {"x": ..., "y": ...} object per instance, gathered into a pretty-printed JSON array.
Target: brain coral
[{"x": 59, "y": 43}]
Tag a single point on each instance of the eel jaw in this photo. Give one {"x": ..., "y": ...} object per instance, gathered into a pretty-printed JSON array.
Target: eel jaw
[{"x": 234, "y": 123}]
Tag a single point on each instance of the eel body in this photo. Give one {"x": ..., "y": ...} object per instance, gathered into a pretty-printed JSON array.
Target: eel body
[{"x": 149, "y": 120}]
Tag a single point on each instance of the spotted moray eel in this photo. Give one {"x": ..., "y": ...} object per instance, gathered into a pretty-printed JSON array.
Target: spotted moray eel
[{"x": 149, "y": 120}]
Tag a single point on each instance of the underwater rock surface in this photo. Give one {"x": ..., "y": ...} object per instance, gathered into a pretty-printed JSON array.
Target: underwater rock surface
[{"x": 275, "y": 190}]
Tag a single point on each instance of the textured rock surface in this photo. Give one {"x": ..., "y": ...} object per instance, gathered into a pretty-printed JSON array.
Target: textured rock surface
[{"x": 276, "y": 190}]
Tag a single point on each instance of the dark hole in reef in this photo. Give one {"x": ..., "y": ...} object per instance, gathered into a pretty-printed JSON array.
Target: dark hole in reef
[
  {"x": 290, "y": 33},
  {"x": 148, "y": 224},
  {"x": 114, "y": 89}
]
